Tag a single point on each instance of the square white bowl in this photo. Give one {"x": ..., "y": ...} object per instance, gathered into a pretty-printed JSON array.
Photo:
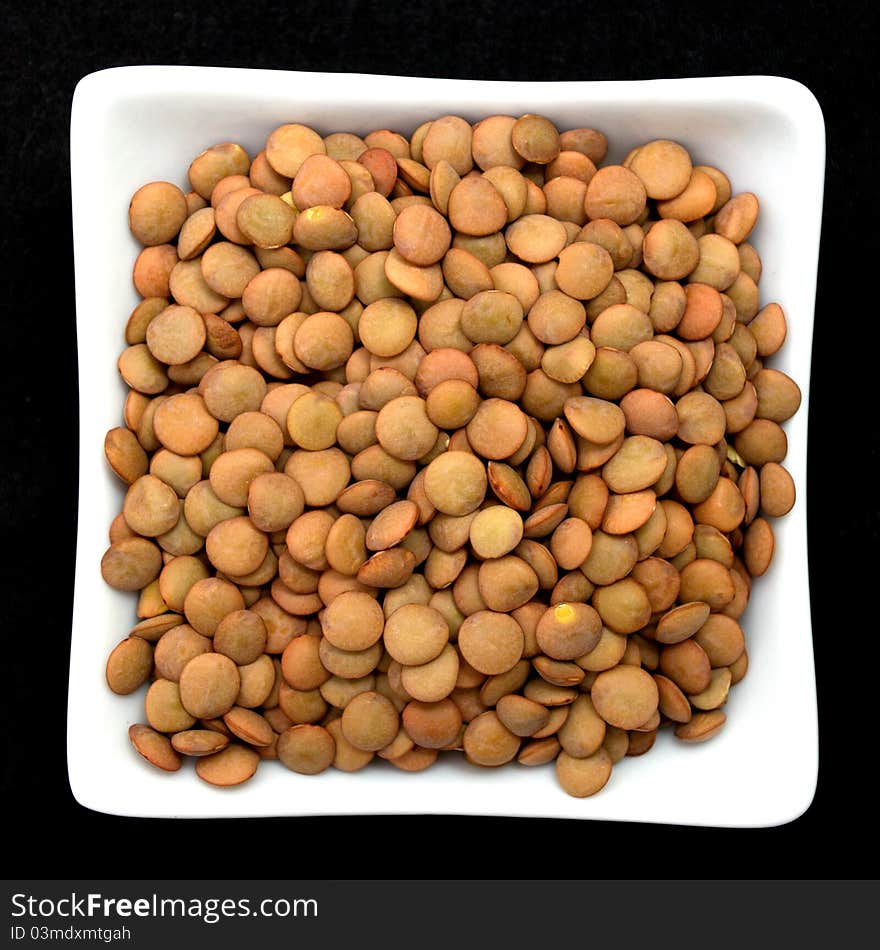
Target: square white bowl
[{"x": 137, "y": 124}]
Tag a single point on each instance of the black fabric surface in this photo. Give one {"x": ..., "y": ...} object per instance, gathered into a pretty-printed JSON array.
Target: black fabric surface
[{"x": 48, "y": 47}]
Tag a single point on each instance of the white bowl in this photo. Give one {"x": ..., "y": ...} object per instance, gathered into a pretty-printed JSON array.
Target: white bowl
[{"x": 138, "y": 124}]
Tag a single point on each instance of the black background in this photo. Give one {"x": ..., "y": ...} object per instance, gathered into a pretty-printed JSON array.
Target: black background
[{"x": 48, "y": 47}]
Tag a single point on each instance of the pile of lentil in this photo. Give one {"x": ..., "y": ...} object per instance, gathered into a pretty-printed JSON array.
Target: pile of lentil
[{"x": 464, "y": 442}]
